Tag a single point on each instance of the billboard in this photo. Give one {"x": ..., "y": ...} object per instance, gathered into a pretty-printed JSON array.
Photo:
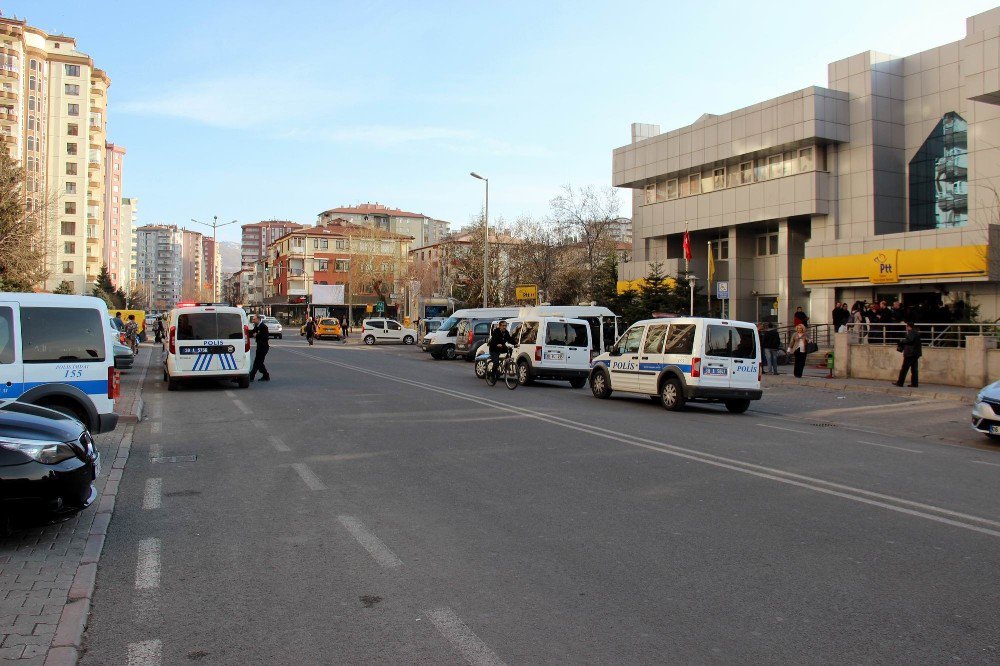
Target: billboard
[{"x": 328, "y": 294}]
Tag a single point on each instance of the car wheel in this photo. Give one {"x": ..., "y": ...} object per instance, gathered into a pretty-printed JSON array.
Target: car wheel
[
  {"x": 279, "y": 336},
  {"x": 243, "y": 381},
  {"x": 579, "y": 382},
  {"x": 6, "y": 529},
  {"x": 69, "y": 411},
  {"x": 600, "y": 385},
  {"x": 436, "y": 356},
  {"x": 165, "y": 376},
  {"x": 737, "y": 406},
  {"x": 408, "y": 340},
  {"x": 449, "y": 352},
  {"x": 672, "y": 395},
  {"x": 369, "y": 339},
  {"x": 172, "y": 384},
  {"x": 523, "y": 373},
  {"x": 481, "y": 368}
]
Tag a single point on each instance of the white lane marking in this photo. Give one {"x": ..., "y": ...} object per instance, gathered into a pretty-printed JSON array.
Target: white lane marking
[
  {"x": 889, "y": 446},
  {"x": 309, "y": 477},
  {"x": 240, "y": 405},
  {"x": 152, "y": 498},
  {"x": 155, "y": 449},
  {"x": 983, "y": 462},
  {"x": 145, "y": 653},
  {"x": 801, "y": 432},
  {"x": 781, "y": 476},
  {"x": 375, "y": 547},
  {"x": 147, "y": 567},
  {"x": 278, "y": 444},
  {"x": 155, "y": 427},
  {"x": 466, "y": 419},
  {"x": 258, "y": 424},
  {"x": 909, "y": 405},
  {"x": 155, "y": 411},
  {"x": 470, "y": 646},
  {"x": 231, "y": 394}
]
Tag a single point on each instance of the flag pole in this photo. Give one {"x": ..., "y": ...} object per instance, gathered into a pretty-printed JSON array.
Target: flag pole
[{"x": 708, "y": 287}]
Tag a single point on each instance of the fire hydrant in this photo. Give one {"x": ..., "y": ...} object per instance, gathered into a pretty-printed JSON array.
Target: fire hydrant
[{"x": 829, "y": 365}]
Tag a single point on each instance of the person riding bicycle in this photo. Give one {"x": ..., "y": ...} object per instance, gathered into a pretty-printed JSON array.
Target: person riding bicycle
[
  {"x": 499, "y": 340},
  {"x": 132, "y": 333}
]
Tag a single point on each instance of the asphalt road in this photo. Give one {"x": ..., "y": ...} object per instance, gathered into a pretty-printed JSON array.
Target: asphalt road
[{"x": 376, "y": 506}]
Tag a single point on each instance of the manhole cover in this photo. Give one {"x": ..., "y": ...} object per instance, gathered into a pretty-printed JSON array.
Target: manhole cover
[{"x": 173, "y": 459}]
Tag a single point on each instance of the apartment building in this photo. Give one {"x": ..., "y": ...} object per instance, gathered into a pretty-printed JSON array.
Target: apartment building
[
  {"x": 193, "y": 283},
  {"x": 159, "y": 263},
  {"x": 126, "y": 234},
  {"x": 880, "y": 186},
  {"x": 117, "y": 245},
  {"x": 422, "y": 229},
  {"x": 257, "y": 237},
  {"x": 211, "y": 275},
  {"x": 53, "y": 112}
]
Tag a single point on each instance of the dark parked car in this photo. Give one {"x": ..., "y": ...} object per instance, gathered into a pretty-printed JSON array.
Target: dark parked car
[
  {"x": 471, "y": 334},
  {"x": 48, "y": 463}
]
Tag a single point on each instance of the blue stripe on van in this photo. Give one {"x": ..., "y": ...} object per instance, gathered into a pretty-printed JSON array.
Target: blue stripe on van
[{"x": 90, "y": 387}]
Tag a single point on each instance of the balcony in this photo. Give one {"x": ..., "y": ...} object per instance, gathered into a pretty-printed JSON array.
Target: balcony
[
  {"x": 10, "y": 74},
  {"x": 7, "y": 138},
  {"x": 8, "y": 94},
  {"x": 11, "y": 30},
  {"x": 8, "y": 117},
  {"x": 90, "y": 165}
]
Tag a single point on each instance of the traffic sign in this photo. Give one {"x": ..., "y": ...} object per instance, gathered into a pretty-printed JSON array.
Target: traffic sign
[
  {"x": 722, "y": 290},
  {"x": 380, "y": 307},
  {"x": 526, "y": 292}
]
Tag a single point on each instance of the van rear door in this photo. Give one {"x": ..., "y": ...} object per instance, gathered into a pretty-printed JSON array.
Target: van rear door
[
  {"x": 578, "y": 343},
  {"x": 554, "y": 347},
  {"x": 746, "y": 358},
  {"x": 210, "y": 341},
  {"x": 11, "y": 365},
  {"x": 716, "y": 366}
]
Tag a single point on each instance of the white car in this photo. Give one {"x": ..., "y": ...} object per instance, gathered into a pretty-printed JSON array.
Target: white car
[
  {"x": 386, "y": 330},
  {"x": 986, "y": 412},
  {"x": 553, "y": 348},
  {"x": 273, "y": 327},
  {"x": 207, "y": 341}
]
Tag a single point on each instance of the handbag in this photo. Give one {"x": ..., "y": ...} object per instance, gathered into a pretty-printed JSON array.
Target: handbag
[{"x": 812, "y": 347}]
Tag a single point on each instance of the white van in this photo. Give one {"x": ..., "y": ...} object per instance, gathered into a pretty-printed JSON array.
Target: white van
[
  {"x": 553, "y": 348},
  {"x": 207, "y": 341},
  {"x": 56, "y": 351},
  {"x": 441, "y": 343},
  {"x": 681, "y": 359},
  {"x": 602, "y": 321}
]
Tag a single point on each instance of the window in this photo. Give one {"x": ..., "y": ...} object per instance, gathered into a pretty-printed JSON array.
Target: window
[
  {"x": 790, "y": 164},
  {"x": 68, "y": 228},
  {"x": 560, "y": 334},
  {"x": 70, "y": 188},
  {"x": 719, "y": 178},
  {"x": 72, "y": 88},
  {"x": 71, "y": 148},
  {"x": 56, "y": 335},
  {"x": 70, "y": 208},
  {"x": 67, "y": 267},
  {"x": 6, "y": 335},
  {"x": 31, "y": 102},
  {"x": 746, "y": 173},
  {"x": 482, "y": 329},
  {"x": 32, "y": 84},
  {"x": 694, "y": 183},
  {"x": 680, "y": 339},
  {"x": 70, "y": 168},
  {"x": 73, "y": 109},
  {"x": 393, "y": 326},
  {"x": 651, "y": 193},
  {"x": 720, "y": 249},
  {"x": 774, "y": 169},
  {"x": 209, "y": 326},
  {"x": 72, "y": 129},
  {"x": 746, "y": 343},
  {"x": 69, "y": 247},
  {"x": 72, "y": 70},
  {"x": 767, "y": 244},
  {"x": 342, "y": 265},
  {"x": 672, "y": 189},
  {"x": 718, "y": 342},
  {"x": 529, "y": 333},
  {"x": 340, "y": 245},
  {"x": 321, "y": 265},
  {"x": 629, "y": 343},
  {"x": 805, "y": 159},
  {"x": 654, "y": 339}
]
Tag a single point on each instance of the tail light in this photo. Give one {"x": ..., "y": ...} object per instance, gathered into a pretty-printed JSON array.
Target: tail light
[
  {"x": 121, "y": 338},
  {"x": 538, "y": 353},
  {"x": 470, "y": 338},
  {"x": 173, "y": 340},
  {"x": 246, "y": 336},
  {"x": 696, "y": 367},
  {"x": 114, "y": 383}
]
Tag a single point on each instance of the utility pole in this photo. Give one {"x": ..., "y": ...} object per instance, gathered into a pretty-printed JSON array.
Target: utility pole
[
  {"x": 215, "y": 252},
  {"x": 486, "y": 237}
]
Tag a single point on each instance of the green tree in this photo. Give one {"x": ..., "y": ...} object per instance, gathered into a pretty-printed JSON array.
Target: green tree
[
  {"x": 65, "y": 287},
  {"x": 659, "y": 293},
  {"x": 105, "y": 290},
  {"x": 22, "y": 230}
]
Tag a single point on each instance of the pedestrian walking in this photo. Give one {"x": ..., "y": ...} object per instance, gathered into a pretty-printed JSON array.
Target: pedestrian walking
[
  {"x": 911, "y": 348},
  {"x": 310, "y": 330},
  {"x": 798, "y": 346},
  {"x": 345, "y": 328},
  {"x": 132, "y": 333},
  {"x": 770, "y": 342},
  {"x": 263, "y": 337},
  {"x": 119, "y": 324}
]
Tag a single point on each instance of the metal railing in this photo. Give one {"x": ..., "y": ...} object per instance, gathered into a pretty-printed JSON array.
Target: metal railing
[
  {"x": 931, "y": 335},
  {"x": 821, "y": 334}
]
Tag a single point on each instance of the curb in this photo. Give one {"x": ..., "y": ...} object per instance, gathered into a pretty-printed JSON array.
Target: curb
[{"x": 838, "y": 384}]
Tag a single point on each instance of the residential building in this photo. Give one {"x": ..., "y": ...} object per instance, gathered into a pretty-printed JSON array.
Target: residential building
[
  {"x": 881, "y": 186},
  {"x": 117, "y": 246},
  {"x": 422, "y": 229},
  {"x": 126, "y": 233},
  {"x": 53, "y": 109},
  {"x": 257, "y": 237},
  {"x": 193, "y": 286},
  {"x": 211, "y": 277},
  {"x": 159, "y": 266}
]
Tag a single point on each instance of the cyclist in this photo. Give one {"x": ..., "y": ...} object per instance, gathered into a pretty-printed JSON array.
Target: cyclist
[
  {"x": 499, "y": 340},
  {"x": 132, "y": 333}
]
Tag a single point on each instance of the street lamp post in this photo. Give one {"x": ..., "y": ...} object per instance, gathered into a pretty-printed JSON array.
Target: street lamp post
[
  {"x": 486, "y": 236},
  {"x": 215, "y": 252}
]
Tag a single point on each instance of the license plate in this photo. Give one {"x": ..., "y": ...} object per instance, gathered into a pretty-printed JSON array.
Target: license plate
[
  {"x": 205, "y": 349},
  {"x": 722, "y": 372},
  {"x": 995, "y": 430},
  {"x": 553, "y": 356}
]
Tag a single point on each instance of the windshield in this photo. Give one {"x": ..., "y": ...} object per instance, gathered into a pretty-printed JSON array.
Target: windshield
[
  {"x": 449, "y": 323},
  {"x": 210, "y": 326}
]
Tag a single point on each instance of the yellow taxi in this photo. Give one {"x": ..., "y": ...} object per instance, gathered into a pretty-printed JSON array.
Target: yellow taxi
[{"x": 328, "y": 327}]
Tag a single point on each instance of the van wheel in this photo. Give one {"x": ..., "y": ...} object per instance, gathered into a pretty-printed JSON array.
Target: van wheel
[
  {"x": 579, "y": 382},
  {"x": 436, "y": 356},
  {"x": 449, "y": 352},
  {"x": 369, "y": 339},
  {"x": 600, "y": 386},
  {"x": 737, "y": 406},
  {"x": 165, "y": 376},
  {"x": 672, "y": 395},
  {"x": 481, "y": 368},
  {"x": 172, "y": 384},
  {"x": 408, "y": 340},
  {"x": 243, "y": 381},
  {"x": 523, "y": 373}
]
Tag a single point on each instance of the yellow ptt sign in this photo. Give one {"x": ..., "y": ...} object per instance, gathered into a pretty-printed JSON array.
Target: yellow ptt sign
[{"x": 526, "y": 292}]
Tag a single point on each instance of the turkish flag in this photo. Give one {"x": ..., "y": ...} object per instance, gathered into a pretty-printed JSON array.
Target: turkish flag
[{"x": 687, "y": 246}]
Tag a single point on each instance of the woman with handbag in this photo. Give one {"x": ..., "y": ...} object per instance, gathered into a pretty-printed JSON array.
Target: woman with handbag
[{"x": 799, "y": 346}]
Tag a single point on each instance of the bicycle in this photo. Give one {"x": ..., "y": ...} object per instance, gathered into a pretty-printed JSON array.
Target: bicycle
[{"x": 508, "y": 370}]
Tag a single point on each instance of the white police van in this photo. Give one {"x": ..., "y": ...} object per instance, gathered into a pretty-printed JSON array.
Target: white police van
[
  {"x": 207, "y": 341},
  {"x": 681, "y": 359},
  {"x": 56, "y": 352}
]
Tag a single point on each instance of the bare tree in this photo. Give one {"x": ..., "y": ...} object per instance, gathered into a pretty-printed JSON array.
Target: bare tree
[
  {"x": 464, "y": 253},
  {"x": 539, "y": 256},
  {"x": 588, "y": 216},
  {"x": 22, "y": 231},
  {"x": 378, "y": 259}
]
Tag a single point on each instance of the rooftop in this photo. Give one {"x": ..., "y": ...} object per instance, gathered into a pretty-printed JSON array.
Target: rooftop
[{"x": 372, "y": 209}]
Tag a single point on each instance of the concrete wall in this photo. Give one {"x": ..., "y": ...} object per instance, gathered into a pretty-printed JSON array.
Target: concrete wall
[{"x": 973, "y": 366}]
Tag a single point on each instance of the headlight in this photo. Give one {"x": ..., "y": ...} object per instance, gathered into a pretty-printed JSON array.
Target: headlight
[{"x": 45, "y": 452}]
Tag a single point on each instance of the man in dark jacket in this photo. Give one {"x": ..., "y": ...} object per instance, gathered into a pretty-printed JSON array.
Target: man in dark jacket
[
  {"x": 800, "y": 317},
  {"x": 263, "y": 338},
  {"x": 910, "y": 345},
  {"x": 839, "y": 317},
  {"x": 499, "y": 339},
  {"x": 770, "y": 342}
]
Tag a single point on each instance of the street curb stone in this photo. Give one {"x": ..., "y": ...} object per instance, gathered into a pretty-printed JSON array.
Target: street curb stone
[
  {"x": 836, "y": 385},
  {"x": 61, "y": 656}
]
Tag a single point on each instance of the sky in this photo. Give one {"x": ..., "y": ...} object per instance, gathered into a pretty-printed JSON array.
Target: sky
[{"x": 249, "y": 110}]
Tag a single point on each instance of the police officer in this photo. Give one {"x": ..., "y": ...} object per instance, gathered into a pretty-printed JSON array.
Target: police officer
[
  {"x": 499, "y": 339},
  {"x": 263, "y": 337}
]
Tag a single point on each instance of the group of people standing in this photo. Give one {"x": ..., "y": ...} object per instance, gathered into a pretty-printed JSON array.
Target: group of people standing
[{"x": 799, "y": 346}]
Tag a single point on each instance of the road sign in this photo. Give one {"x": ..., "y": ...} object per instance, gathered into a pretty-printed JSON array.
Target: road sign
[
  {"x": 380, "y": 307},
  {"x": 722, "y": 290},
  {"x": 368, "y": 308},
  {"x": 526, "y": 292}
]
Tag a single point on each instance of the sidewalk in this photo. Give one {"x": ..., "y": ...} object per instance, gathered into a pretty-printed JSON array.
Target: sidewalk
[
  {"x": 817, "y": 377},
  {"x": 47, "y": 572}
]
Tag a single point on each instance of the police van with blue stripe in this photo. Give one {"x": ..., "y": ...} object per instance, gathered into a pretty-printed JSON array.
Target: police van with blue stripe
[
  {"x": 207, "y": 341},
  {"x": 57, "y": 351},
  {"x": 684, "y": 358}
]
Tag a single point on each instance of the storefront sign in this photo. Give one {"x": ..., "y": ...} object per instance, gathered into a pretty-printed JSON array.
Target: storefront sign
[{"x": 884, "y": 267}]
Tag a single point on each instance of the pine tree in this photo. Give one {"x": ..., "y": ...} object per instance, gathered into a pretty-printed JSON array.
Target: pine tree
[
  {"x": 105, "y": 290},
  {"x": 65, "y": 287}
]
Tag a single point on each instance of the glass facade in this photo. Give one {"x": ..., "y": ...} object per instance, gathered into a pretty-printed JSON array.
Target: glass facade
[{"x": 939, "y": 177}]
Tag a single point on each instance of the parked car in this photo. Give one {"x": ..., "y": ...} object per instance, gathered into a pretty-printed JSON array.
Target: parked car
[
  {"x": 124, "y": 358},
  {"x": 386, "y": 330},
  {"x": 210, "y": 341},
  {"x": 441, "y": 343},
  {"x": 470, "y": 335},
  {"x": 986, "y": 411},
  {"x": 426, "y": 327},
  {"x": 48, "y": 463},
  {"x": 273, "y": 327},
  {"x": 329, "y": 327},
  {"x": 553, "y": 348}
]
